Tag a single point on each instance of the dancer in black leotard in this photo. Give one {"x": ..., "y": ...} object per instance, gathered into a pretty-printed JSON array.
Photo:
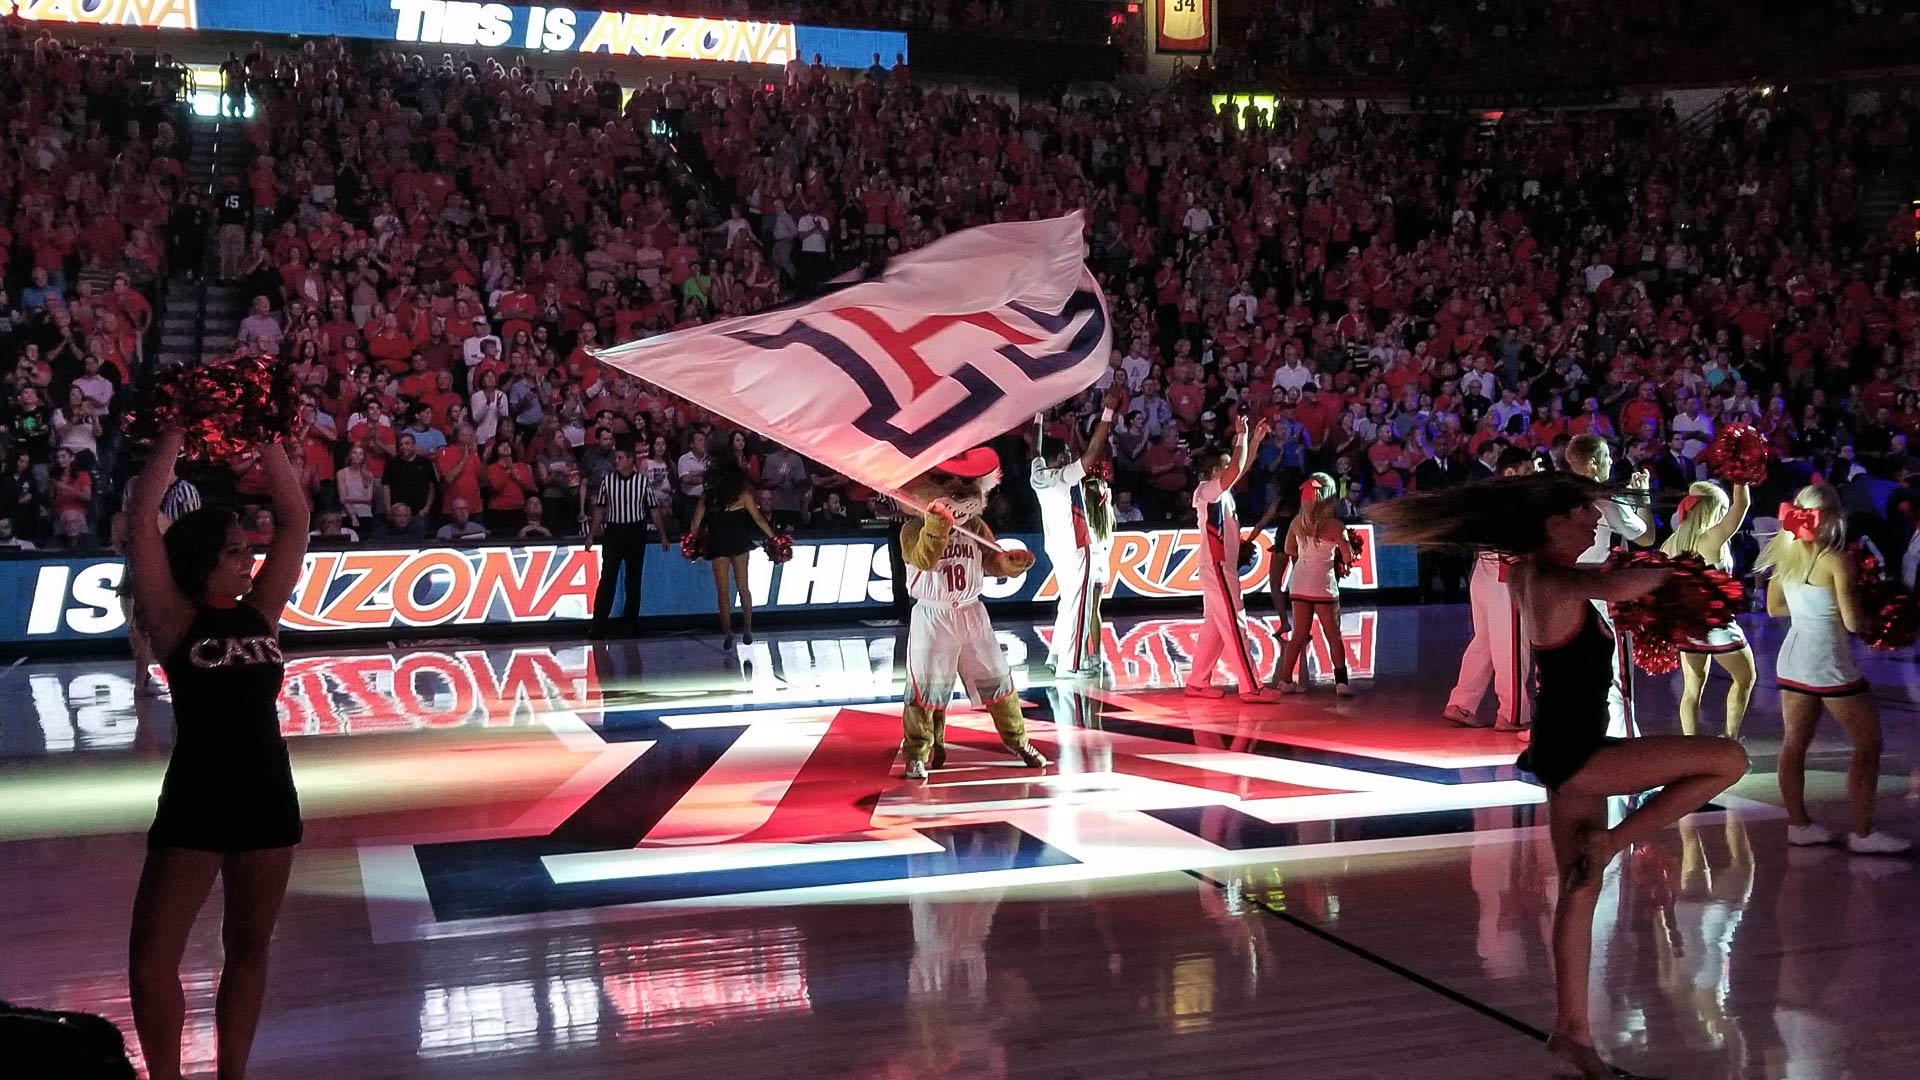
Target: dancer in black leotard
[
  {"x": 1548, "y": 522},
  {"x": 1571, "y": 685},
  {"x": 731, "y": 518},
  {"x": 227, "y": 805}
]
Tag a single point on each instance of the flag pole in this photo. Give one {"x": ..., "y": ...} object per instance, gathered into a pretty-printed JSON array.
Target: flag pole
[{"x": 912, "y": 503}]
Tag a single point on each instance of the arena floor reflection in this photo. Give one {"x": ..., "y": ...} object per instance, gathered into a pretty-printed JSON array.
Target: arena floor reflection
[{"x": 562, "y": 857}]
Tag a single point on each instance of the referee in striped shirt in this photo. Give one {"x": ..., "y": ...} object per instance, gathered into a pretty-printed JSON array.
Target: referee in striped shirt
[
  {"x": 181, "y": 499},
  {"x": 620, "y": 525}
]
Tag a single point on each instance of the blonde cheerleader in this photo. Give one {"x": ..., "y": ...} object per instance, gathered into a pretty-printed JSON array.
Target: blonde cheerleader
[
  {"x": 1319, "y": 552},
  {"x": 1703, "y": 524},
  {"x": 1811, "y": 582}
]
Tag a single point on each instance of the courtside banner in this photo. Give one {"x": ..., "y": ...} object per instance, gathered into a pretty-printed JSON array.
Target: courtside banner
[
  {"x": 465, "y": 23},
  {"x": 949, "y": 347},
  {"x": 440, "y": 590}
]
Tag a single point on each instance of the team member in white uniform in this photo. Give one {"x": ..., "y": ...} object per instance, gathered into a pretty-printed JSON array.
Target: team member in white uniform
[
  {"x": 1057, "y": 476},
  {"x": 1811, "y": 581},
  {"x": 1591, "y": 457},
  {"x": 1499, "y": 654},
  {"x": 949, "y": 635},
  {"x": 1099, "y": 496},
  {"x": 1703, "y": 524},
  {"x": 1318, "y": 552},
  {"x": 1225, "y": 629}
]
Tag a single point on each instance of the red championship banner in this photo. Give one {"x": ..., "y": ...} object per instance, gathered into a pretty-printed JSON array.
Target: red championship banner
[{"x": 1183, "y": 26}]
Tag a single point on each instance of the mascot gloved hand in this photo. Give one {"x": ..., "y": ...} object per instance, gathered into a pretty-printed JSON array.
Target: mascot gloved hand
[{"x": 949, "y": 636}]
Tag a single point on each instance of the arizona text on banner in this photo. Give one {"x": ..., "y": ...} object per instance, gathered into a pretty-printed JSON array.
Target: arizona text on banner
[{"x": 951, "y": 346}]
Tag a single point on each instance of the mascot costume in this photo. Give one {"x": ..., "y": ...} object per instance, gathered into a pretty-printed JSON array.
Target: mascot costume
[{"x": 949, "y": 636}]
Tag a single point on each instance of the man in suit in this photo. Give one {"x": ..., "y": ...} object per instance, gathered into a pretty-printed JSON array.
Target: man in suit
[
  {"x": 1671, "y": 470},
  {"x": 1441, "y": 573},
  {"x": 1485, "y": 465},
  {"x": 1443, "y": 467}
]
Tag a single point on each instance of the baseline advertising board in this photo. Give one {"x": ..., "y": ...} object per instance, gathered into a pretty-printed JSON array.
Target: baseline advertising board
[
  {"x": 445, "y": 588},
  {"x": 482, "y": 25}
]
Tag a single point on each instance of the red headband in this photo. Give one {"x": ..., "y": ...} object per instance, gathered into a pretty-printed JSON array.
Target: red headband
[
  {"x": 1309, "y": 491},
  {"x": 1686, "y": 507},
  {"x": 1802, "y": 521}
]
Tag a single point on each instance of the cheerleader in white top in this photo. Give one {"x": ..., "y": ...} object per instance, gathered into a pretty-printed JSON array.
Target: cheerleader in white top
[
  {"x": 1225, "y": 628},
  {"x": 1811, "y": 581},
  {"x": 1703, "y": 524},
  {"x": 1099, "y": 498},
  {"x": 1498, "y": 655},
  {"x": 1589, "y": 456},
  {"x": 1318, "y": 553},
  {"x": 1068, "y": 537}
]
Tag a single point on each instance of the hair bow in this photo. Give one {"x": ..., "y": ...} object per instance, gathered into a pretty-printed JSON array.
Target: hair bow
[
  {"x": 1802, "y": 521},
  {"x": 1686, "y": 507},
  {"x": 1309, "y": 491}
]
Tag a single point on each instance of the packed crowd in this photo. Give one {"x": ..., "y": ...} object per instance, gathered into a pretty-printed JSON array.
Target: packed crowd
[
  {"x": 435, "y": 248},
  {"x": 1517, "y": 43},
  {"x": 1027, "y": 19},
  {"x": 85, "y": 127}
]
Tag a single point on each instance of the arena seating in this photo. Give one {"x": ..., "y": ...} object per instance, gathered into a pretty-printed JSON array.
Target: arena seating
[{"x": 434, "y": 247}]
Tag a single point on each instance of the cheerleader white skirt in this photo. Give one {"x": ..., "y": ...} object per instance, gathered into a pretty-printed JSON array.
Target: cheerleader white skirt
[
  {"x": 1726, "y": 639},
  {"x": 1817, "y": 659}
]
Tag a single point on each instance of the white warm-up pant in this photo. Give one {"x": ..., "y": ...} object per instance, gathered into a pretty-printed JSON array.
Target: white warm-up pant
[
  {"x": 1073, "y": 573},
  {"x": 1620, "y": 723},
  {"x": 948, "y": 642},
  {"x": 1499, "y": 654},
  {"x": 1225, "y": 630}
]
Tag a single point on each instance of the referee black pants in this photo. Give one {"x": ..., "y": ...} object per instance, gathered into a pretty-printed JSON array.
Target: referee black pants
[{"x": 621, "y": 547}]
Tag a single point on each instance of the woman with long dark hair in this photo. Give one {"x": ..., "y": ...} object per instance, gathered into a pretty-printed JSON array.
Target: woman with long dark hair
[
  {"x": 727, "y": 508},
  {"x": 1546, "y": 522},
  {"x": 227, "y": 806}
]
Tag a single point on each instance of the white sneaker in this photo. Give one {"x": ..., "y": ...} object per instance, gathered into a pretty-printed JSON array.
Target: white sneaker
[
  {"x": 1343, "y": 690},
  {"x": 916, "y": 770},
  {"x": 1292, "y": 688},
  {"x": 1210, "y": 692},
  {"x": 1263, "y": 696},
  {"x": 1878, "y": 843},
  {"x": 1810, "y": 835}
]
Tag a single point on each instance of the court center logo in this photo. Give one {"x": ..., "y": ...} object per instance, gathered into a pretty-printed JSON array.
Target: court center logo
[{"x": 714, "y": 804}]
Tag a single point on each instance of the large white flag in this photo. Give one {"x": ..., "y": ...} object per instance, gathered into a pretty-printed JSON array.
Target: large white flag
[{"x": 951, "y": 346}]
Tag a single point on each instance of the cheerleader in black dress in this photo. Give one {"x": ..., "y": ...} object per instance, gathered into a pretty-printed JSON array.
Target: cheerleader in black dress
[
  {"x": 227, "y": 805},
  {"x": 1547, "y": 522},
  {"x": 731, "y": 517}
]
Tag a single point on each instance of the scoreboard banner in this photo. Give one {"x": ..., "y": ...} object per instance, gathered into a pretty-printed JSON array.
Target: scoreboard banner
[
  {"x": 1183, "y": 26},
  {"x": 484, "y": 25},
  {"x": 414, "y": 591}
]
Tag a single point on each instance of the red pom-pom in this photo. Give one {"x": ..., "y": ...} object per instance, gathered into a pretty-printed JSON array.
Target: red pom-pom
[
  {"x": 1695, "y": 600},
  {"x": 1738, "y": 455},
  {"x": 1356, "y": 540},
  {"x": 225, "y": 408},
  {"x": 1655, "y": 656},
  {"x": 1893, "y": 616},
  {"x": 779, "y": 547},
  {"x": 1894, "y": 624},
  {"x": 694, "y": 545},
  {"x": 1101, "y": 470}
]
